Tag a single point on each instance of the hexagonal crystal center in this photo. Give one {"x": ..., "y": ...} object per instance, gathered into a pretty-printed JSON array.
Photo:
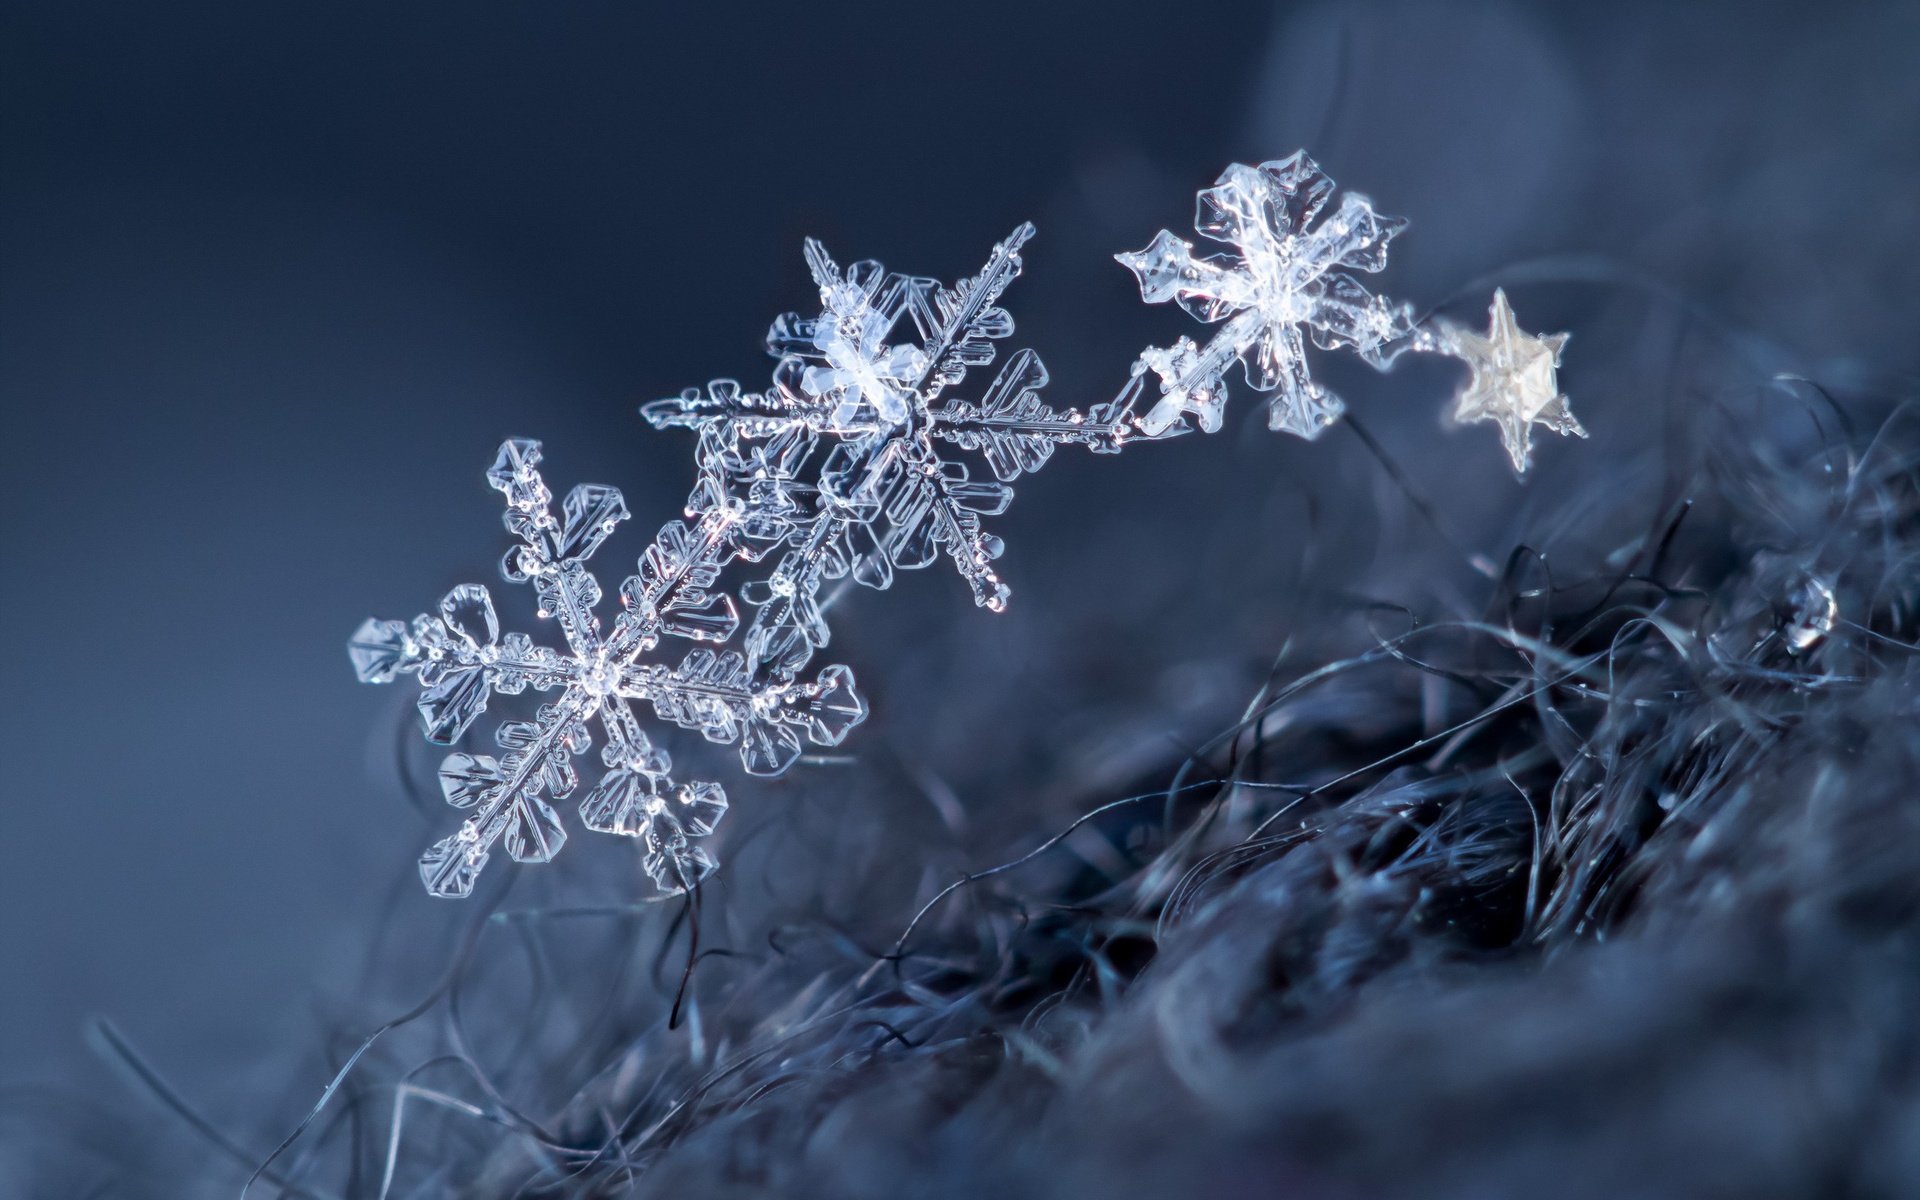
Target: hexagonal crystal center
[{"x": 600, "y": 678}]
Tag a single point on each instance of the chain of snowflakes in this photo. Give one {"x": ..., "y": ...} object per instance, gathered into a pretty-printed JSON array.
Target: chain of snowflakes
[{"x": 853, "y": 465}]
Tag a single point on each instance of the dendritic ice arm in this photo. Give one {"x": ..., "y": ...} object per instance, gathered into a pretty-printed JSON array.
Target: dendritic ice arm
[
  {"x": 1017, "y": 432},
  {"x": 1289, "y": 281},
  {"x": 462, "y": 661},
  {"x": 1511, "y": 382}
]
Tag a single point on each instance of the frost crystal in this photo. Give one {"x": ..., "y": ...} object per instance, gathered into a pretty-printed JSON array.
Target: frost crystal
[
  {"x": 1512, "y": 382},
  {"x": 1289, "y": 279},
  {"x": 462, "y": 660},
  {"x": 852, "y": 459}
]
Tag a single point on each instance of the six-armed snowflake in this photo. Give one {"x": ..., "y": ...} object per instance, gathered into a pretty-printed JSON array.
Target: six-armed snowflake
[
  {"x": 1290, "y": 276},
  {"x": 462, "y": 660}
]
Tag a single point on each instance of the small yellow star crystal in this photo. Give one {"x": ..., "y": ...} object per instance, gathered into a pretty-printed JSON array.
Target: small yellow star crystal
[{"x": 1513, "y": 381}]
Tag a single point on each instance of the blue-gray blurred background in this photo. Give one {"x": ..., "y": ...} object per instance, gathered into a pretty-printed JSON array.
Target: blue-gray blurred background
[{"x": 275, "y": 280}]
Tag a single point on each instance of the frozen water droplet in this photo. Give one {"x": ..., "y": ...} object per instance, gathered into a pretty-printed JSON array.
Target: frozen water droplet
[{"x": 1815, "y": 609}]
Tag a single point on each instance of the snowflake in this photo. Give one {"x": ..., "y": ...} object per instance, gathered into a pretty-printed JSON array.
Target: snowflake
[
  {"x": 462, "y": 660},
  {"x": 1287, "y": 278},
  {"x": 857, "y": 445},
  {"x": 1512, "y": 382}
]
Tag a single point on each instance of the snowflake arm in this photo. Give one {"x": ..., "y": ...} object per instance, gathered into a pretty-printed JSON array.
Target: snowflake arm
[
  {"x": 724, "y": 406},
  {"x": 1289, "y": 281},
  {"x": 931, "y": 505},
  {"x": 963, "y": 322},
  {"x": 1017, "y": 431}
]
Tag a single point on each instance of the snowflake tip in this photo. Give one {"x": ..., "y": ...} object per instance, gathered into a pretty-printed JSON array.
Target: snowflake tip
[
  {"x": 1159, "y": 266},
  {"x": 452, "y": 866},
  {"x": 379, "y": 650},
  {"x": 468, "y": 611},
  {"x": 515, "y": 472},
  {"x": 466, "y": 778}
]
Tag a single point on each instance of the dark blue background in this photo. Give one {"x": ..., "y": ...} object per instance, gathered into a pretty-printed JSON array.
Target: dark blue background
[{"x": 275, "y": 281}]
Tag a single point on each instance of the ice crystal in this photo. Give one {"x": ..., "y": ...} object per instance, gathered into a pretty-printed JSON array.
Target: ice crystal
[
  {"x": 853, "y": 459},
  {"x": 462, "y": 660},
  {"x": 1289, "y": 281},
  {"x": 1815, "y": 611},
  {"x": 1512, "y": 382}
]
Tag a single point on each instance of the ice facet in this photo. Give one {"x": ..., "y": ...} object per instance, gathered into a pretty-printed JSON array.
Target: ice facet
[
  {"x": 593, "y": 511},
  {"x": 452, "y": 866},
  {"x": 621, "y": 802},
  {"x": 465, "y": 778},
  {"x": 381, "y": 650},
  {"x": 454, "y": 698},
  {"x": 701, "y": 807},
  {"x": 533, "y": 831},
  {"x": 468, "y": 611},
  {"x": 669, "y": 855},
  {"x": 513, "y": 473}
]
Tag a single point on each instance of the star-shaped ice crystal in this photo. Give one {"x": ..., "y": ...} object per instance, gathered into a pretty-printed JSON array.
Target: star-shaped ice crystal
[
  {"x": 1513, "y": 382},
  {"x": 463, "y": 661},
  {"x": 1289, "y": 279}
]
